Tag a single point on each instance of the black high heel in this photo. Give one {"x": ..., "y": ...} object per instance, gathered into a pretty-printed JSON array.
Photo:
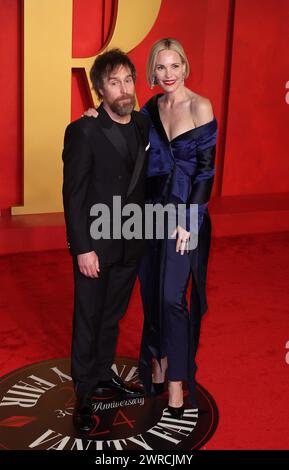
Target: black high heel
[
  {"x": 176, "y": 412},
  {"x": 158, "y": 388}
]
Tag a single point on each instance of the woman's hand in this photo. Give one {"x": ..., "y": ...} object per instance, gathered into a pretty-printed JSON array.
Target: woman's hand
[
  {"x": 90, "y": 112},
  {"x": 183, "y": 239}
]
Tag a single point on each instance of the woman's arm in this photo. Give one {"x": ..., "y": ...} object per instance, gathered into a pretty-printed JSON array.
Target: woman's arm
[{"x": 206, "y": 151}]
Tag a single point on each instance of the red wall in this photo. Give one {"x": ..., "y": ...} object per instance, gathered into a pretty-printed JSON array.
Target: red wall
[
  {"x": 10, "y": 99},
  {"x": 244, "y": 78},
  {"x": 257, "y": 150}
]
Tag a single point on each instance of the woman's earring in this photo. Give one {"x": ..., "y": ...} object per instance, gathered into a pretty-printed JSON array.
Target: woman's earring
[{"x": 154, "y": 81}]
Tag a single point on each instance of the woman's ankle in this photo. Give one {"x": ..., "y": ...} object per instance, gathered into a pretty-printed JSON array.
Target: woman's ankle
[
  {"x": 159, "y": 370},
  {"x": 176, "y": 395}
]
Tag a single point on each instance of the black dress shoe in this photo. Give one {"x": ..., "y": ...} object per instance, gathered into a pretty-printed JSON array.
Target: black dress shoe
[
  {"x": 115, "y": 383},
  {"x": 176, "y": 412},
  {"x": 158, "y": 388},
  {"x": 83, "y": 417}
]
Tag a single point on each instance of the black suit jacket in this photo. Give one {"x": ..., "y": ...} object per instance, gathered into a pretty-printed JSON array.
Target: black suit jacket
[{"x": 96, "y": 168}]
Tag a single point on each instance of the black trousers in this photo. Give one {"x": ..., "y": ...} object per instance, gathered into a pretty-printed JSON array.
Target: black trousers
[{"x": 99, "y": 304}]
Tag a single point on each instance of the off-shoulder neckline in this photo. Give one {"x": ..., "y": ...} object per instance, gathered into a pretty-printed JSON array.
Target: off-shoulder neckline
[
  {"x": 193, "y": 129},
  {"x": 153, "y": 111}
]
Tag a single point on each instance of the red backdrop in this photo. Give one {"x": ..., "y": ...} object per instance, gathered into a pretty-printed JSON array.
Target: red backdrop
[
  {"x": 256, "y": 158},
  {"x": 237, "y": 52}
]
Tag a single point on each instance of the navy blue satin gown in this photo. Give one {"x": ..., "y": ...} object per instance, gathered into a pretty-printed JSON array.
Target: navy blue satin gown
[{"x": 180, "y": 171}]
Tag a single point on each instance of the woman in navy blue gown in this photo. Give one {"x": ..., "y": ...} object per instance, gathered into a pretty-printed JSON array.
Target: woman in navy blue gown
[{"x": 181, "y": 171}]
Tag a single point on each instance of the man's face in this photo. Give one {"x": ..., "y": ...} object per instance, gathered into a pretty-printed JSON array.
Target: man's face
[{"x": 118, "y": 91}]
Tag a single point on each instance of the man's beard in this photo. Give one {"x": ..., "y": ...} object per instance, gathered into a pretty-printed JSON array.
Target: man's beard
[{"x": 123, "y": 106}]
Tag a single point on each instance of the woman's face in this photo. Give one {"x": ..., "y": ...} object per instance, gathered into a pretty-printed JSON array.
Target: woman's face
[{"x": 169, "y": 70}]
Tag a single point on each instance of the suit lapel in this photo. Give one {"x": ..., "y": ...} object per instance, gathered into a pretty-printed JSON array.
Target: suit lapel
[
  {"x": 140, "y": 157},
  {"x": 153, "y": 109},
  {"x": 116, "y": 138}
]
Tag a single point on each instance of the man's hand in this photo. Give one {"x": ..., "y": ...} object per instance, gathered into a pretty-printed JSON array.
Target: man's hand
[
  {"x": 90, "y": 112},
  {"x": 182, "y": 240},
  {"x": 88, "y": 264}
]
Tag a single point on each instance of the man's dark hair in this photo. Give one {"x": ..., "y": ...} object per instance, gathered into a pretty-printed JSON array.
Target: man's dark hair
[{"x": 105, "y": 63}]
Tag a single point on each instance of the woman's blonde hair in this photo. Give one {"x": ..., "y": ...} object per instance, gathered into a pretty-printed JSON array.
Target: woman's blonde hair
[{"x": 165, "y": 44}]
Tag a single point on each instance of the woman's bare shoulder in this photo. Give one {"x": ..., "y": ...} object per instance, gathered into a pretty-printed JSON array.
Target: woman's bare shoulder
[{"x": 201, "y": 108}]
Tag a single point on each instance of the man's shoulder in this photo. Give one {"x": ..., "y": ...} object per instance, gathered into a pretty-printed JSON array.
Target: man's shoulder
[
  {"x": 83, "y": 126},
  {"x": 141, "y": 118}
]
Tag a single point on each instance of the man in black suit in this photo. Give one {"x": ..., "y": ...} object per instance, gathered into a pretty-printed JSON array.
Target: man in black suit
[{"x": 103, "y": 158}]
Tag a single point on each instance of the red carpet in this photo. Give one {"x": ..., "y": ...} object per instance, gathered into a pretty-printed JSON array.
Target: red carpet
[{"x": 242, "y": 352}]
